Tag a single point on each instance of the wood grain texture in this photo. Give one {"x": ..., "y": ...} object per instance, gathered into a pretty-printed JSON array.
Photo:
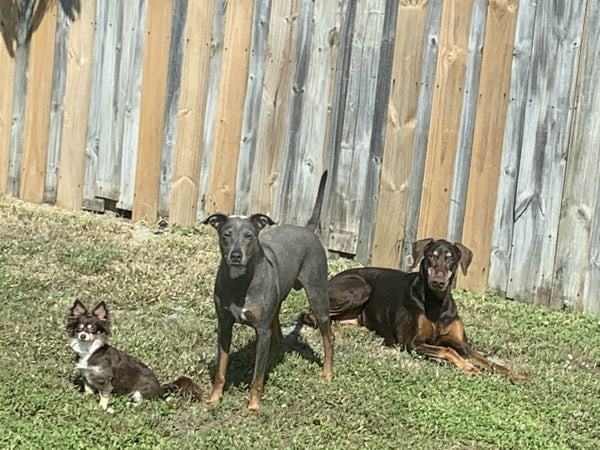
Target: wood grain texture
[
  {"x": 274, "y": 106},
  {"x": 192, "y": 109},
  {"x": 80, "y": 47},
  {"x": 494, "y": 87},
  {"x": 504, "y": 218},
  {"x": 576, "y": 269},
  {"x": 347, "y": 191},
  {"x": 214, "y": 79},
  {"x": 422, "y": 129},
  {"x": 232, "y": 91},
  {"x": 8, "y": 48},
  {"x": 59, "y": 75},
  {"x": 542, "y": 170},
  {"x": 400, "y": 133},
  {"x": 445, "y": 118},
  {"x": 252, "y": 105},
  {"x": 37, "y": 115},
  {"x": 153, "y": 95}
]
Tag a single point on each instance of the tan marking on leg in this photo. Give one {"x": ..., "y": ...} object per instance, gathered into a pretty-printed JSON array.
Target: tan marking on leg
[
  {"x": 219, "y": 380},
  {"x": 256, "y": 390}
]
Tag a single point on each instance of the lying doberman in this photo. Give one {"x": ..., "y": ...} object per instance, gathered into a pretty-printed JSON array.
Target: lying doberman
[
  {"x": 414, "y": 310},
  {"x": 256, "y": 275}
]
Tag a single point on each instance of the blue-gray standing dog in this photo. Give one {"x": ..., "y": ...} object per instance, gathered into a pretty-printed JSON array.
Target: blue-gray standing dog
[{"x": 255, "y": 275}]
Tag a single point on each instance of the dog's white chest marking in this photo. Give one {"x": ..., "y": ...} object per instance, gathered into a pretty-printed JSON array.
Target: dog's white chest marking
[
  {"x": 238, "y": 312},
  {"x": 84, "y": 349}
]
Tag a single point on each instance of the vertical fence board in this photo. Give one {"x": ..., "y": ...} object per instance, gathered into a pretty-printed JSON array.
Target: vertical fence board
[
  {"x": 295, "y": 160},
  {"x": 214, "y": 79},
  {"x": 232, "y": 89},
  {"x": 37, "y": 113},
  {"x": 129, "y": 97},
  {"x": 97, "y": 94},
  {"x": 76, "y": 108},
  {"x": 464, "y": 145},
  {"x": 488, "y": 139},
  {"x": 24, "y": 29},
  {"x": 445, "y": 118},
  {"x": 545, "y": 138},
  {"x": 274, "y": 107},
  {"x": 59, "y": 73},
  {"x": 422, "y": 127},
  {"x": 8, "y": 30},
  {"x": 400, "y": 133},
  {"x": 172, "y": 99},
  {"x": 580, "y": 203},
  {"x": 511, "y": 154},
  {"x": 252, "y": 104},
  {"x": 357, "y": 128},
  {"x": 152, "y": 110},
  {"x": 376, "y": 146},
  {"x": 192, "y": 109}
]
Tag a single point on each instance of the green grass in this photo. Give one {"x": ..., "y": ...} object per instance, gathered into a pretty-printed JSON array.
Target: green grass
[{"x": 158, "y": 287}]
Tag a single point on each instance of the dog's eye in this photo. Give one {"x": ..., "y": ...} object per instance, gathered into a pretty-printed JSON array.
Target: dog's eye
[
  {"x": 248, "y": 235},
  {"x": 226, "y": 234},
  {"x": 80, "y": 326},
  {"x": 91, "y": 328}
]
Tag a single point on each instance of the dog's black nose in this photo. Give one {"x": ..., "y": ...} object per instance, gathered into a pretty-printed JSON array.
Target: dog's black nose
[
  {"x": 236, "y": 256},
  {"x": 438, "y": 285}
]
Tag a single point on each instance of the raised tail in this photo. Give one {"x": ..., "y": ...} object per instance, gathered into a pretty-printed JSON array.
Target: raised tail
[
  {"x": 183, "y": 385},
  {"x": 313, "y": 222}
]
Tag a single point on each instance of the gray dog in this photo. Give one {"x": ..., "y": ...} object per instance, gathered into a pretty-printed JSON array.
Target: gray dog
[{"x": 256, "y": 275}]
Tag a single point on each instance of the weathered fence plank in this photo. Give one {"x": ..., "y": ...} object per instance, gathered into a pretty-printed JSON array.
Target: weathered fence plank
[
  {"x": 274, "y": 105},
  {"x": 423, "y": 124},
  {"x": 400, "y": 132},
  {"x": 192, "y": 109},
  {"x": 445, "y": 118},
  {"x": 130, "y": 96},
  {"x": 349, "y": 186},
  {"x": 152, "y": 110},
  {"x": 214, "y": 79},
  {"x": 547, "y": 125},
  {"x": 494, "y": 87},
  {"x": 172, "y": 99},
  {"x": 76, "y": 108},
  {"x": 252, "y": 104},
  {"x": 8, "y": 47},
  {"x": 24, "y": 30},
  {"x": 504, "y": 217},
  {"x": 59, "y": 74},
  {"x": 37, "y": 113},
  {"x": 464, "y": 143},
  {"x": 580, "y": 213},
  {"x": 232, "y": 89}
]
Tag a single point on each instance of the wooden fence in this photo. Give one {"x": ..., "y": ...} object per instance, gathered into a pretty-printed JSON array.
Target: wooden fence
[{"x": 474, "y": 120}]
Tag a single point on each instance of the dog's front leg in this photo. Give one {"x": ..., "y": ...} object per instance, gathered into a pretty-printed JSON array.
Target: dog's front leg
[
  {"x": 224, "y": 343},
  {"x": 263, "y": 342}
]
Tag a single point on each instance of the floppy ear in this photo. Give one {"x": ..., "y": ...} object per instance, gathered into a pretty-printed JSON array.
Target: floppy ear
[
  {"x": 101, "y": 312},
  {"x": 418, "y": 251},
  {"x": 215, "y": 220},
  {"x": 261, "y": 220},
  {"x": 78, "y": 309},
  {"x": 466, "y": 256}
]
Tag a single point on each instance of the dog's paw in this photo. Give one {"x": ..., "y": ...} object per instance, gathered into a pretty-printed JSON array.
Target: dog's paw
[{"x": 470, "y": 369}]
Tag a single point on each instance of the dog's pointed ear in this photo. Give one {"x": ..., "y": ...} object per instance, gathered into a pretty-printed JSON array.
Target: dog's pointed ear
[
  {"x": 261, "y": 220},
  {"x": 215, "y": 220},
  {"x": 418, "y": 251},
  {"x": 78, "y": 309},
  {"x": 466, "y": 256},
  {"x": 100, "y": 311}
]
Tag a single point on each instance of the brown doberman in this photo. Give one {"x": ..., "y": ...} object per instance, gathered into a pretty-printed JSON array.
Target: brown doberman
[{"x": 414, "y": 310}]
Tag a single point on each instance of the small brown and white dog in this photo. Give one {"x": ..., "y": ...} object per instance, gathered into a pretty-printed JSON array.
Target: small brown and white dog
[{"x": 105, "y": 369}]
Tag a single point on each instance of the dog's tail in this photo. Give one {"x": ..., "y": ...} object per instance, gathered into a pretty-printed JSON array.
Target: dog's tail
[
  {"x": 183, "y": 385},
  {"x": 313, "y": 222}
]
